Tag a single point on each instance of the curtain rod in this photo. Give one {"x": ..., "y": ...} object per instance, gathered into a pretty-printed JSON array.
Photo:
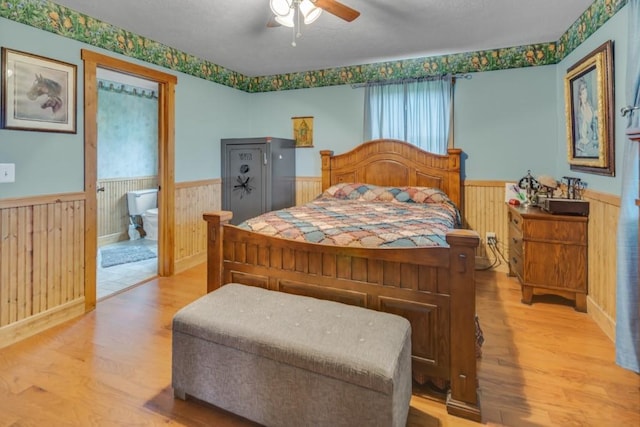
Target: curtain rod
[{"x": 410, "y": 79}]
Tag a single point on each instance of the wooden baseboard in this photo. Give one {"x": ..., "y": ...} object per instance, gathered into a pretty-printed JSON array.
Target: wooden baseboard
[
  {"x": 602, "y": 319},
  {"x": 22, "y": 329},
  {"x": 111, "y": 238},
  {"x": 188, "y": 262}
]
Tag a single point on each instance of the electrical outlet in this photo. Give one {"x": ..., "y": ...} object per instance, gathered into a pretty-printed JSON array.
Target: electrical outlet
[{"x": 490, "y": 238}]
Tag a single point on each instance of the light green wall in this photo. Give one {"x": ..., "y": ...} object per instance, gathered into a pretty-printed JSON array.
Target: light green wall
[
  {"x": 46, "y": 162},
  {"x": 205, "y": 113},
  {"x": 507, "y": 122},
  {"x": 337, "y": 112},
  {"x": 614, "y": 29},
  {"x": 504, "y": 121},
  {"x": 51, "y": 163}
]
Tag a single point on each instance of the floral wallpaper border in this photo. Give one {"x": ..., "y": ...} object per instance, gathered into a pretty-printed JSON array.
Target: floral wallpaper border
[{"x": 49, "y": 16}]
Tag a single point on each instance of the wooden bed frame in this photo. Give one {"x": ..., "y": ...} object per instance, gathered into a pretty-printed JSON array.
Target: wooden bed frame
[{"x": 433, "y": 287}]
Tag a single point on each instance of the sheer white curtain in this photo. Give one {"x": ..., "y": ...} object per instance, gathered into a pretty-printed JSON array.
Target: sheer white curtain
[
  {"x": 627, "y": 316},
  {"x": 418, "y": 112}
]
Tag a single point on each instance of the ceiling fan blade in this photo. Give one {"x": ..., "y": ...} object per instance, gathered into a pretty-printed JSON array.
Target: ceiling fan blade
[{"x": 338, "y": 9}]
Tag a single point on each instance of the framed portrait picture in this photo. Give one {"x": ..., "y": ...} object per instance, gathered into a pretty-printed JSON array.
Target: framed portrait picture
[
  {"x": 589, "y": 106},
  {"x": 303, "y": 131},
  {"x": 38, "y": 93}
]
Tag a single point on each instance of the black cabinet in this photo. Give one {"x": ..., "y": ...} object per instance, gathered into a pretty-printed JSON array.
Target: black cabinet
[{"x": 258, "y": 175}]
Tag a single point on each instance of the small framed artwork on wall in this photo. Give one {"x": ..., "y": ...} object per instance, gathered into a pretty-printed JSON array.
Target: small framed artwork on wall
[
  {"x": 38, "y": 93},
  {"x": 303, "y": 131},
  {"x": 589, "y": 107}
]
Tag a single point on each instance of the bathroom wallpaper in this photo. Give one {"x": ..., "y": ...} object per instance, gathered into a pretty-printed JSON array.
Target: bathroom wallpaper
[
  {"x": 127, "y": 131},
  {"x": 66, "y": 22}
]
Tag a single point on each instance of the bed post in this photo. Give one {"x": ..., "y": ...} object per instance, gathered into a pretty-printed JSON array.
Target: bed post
[
  {"x": 215, "y": 221},
  {"x": 454, "y": 184},
  {"x": 462, "y": 399},
  {"x": 326, "y": 168}
]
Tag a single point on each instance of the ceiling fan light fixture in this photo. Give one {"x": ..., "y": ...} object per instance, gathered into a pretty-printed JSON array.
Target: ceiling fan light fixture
[
  {"x": 281, "y": 7},
  {"x": 309, "y": 11},
  {"x": 286, "y": 20}
]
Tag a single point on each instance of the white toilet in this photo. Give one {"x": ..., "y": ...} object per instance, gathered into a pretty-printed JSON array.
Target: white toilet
[{"x": 145, "y": 204}]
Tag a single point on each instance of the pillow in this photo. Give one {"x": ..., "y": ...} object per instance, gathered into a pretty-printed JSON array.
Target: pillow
[{"x": 374, "y": 193}]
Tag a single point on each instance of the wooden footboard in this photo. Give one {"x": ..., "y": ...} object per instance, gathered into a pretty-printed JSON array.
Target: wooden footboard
[{"x": 434, "y": 288}]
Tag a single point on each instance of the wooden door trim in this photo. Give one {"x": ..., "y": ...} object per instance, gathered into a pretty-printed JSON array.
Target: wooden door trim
[{"x": 166, "y": 170}]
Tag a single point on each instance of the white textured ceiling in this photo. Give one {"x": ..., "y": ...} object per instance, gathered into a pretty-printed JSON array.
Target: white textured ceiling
[{"x": 233, "y": 33}]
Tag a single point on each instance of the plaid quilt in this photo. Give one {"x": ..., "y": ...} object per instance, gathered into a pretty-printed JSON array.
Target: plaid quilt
[{"x": 367, "y": 216}]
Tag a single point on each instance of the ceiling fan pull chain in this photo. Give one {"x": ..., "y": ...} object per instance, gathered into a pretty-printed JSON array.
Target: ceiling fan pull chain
[
  {"x": 293, "y": 36},
  {"x": 296, "y": 17},
  {"x": 298, "y": 13}
]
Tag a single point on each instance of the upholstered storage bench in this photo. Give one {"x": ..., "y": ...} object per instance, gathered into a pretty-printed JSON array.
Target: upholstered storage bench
[{"x": 288, "y": 360}]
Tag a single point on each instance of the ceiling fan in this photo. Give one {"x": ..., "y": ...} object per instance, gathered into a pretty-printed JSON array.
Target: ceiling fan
[{"x": 290, "y": 12}]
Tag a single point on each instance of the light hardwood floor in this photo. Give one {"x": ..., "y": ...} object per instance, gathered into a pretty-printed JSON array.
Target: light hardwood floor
[{"x": 542, "y": 365}]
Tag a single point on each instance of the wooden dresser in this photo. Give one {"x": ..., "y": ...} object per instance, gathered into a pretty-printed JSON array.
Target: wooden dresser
[{"x": 548, "y": 254}]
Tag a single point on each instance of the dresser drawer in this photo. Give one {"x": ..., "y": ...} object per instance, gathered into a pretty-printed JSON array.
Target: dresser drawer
[
  {"x": 515, "y": 239},
  {"x": 568, "y": 232},
  {"x": 515, "y": 220},
  {"x": 516, "y": 264}
]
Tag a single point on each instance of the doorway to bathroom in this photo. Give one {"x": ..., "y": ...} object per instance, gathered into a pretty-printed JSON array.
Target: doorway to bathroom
[
  {"x": 127, "y": 181},
  {"x": 165, "y": 163}
]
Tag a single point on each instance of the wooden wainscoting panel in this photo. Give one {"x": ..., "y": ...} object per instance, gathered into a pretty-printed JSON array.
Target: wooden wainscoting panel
[
  {"x": 192, "y": 200},
  {"x": 604, "y": 210},
  {"x": 307, "y": 189},
  {"x": 41, "y": 260},
  {"x": 485, "y": 210},
  {"x": 113, "y": 215}
]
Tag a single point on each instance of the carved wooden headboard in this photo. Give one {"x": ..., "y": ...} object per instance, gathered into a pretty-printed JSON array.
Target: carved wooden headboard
[{"x": 389, "y": 162}]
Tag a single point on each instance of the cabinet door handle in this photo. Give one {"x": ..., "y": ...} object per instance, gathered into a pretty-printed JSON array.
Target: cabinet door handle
[
  {"x": 514, "y": 240},
  {"x": 515, "y": 221},
  {"x": 515, "y": 260}
]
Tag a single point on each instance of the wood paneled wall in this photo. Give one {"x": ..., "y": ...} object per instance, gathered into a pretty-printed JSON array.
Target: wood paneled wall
[
  {"x": 41, "y": 263},
  {"x": 192, "y": 200},
  {"x": 307, "y": 189},
  {"x": 42, "y": 248},
  {"x": 485, "y": 210},
  {"x": 604, "y": 211},
  {"x": 113, "y": 215}
]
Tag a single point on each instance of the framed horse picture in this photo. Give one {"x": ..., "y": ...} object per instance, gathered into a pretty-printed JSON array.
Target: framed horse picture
[{"x": 38, "y": 93}]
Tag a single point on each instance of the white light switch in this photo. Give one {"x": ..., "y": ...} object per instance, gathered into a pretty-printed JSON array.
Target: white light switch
[{"x": 7, "y": 172}]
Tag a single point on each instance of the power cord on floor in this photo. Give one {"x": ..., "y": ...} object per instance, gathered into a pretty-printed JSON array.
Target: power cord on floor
[
  {"x": 492, "y": 244},
  {"x": 495, "y": 242}
]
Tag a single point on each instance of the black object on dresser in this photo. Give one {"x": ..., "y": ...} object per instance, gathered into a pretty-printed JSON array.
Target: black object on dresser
[{"x": 548, "y": 254}]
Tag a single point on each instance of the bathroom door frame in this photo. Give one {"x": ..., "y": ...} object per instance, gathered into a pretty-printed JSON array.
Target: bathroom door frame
[{"x": 166, "y": 170}]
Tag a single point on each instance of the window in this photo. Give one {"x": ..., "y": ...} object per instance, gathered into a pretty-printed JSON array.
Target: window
[{"x": 416, "y": 111}]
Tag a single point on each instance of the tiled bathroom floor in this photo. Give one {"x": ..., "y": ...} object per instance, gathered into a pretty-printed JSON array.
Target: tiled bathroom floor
[{"x": 118, "y": 277}]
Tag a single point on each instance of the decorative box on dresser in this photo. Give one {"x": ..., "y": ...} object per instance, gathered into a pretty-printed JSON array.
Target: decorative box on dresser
[{"x": 548, "y": 254}]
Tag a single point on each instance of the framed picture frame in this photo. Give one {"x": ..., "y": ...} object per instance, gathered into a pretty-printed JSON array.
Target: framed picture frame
[
  {"x": 589, "y": 107},
  {"x": 303, "y": 131},
  {"x": 38, "y": 93}
]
